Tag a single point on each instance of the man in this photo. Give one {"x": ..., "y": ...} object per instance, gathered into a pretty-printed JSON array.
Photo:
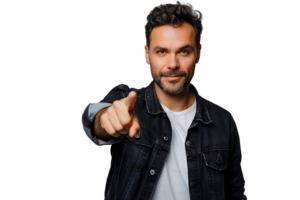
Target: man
[{"x": 167, "y": 142}]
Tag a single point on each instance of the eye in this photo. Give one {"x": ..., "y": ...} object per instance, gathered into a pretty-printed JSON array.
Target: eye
[
  {"x": 186, "y": 51},
  {"x": 181, "y": 51},
  {"x": 161, "y": 51}
]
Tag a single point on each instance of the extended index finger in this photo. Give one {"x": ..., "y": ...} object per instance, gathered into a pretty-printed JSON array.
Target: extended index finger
[{"x": 130, "y": 100}]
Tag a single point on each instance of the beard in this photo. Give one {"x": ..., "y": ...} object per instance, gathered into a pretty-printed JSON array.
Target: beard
[{"x": 174, "y": 87}]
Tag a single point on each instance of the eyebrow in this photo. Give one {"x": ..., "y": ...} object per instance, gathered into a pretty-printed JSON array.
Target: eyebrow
[{"x": 183, "y": 47}]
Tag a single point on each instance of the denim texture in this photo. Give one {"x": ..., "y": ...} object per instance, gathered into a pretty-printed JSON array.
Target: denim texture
[{"x": 212, "y": 149}]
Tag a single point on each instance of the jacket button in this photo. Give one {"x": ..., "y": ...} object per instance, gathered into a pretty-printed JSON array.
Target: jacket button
[
  {"x": 193, "y": 184},
  {"x": 165, "y": 138},
  {"x": 188, "y": 143},
  {"x": 218, "y": 161},
  {"x": 152, "y": 172},
  {"x": 138, "y": 135}
]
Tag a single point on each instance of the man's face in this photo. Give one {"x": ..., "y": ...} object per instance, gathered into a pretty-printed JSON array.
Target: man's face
[{"x": 172, "y": 53}]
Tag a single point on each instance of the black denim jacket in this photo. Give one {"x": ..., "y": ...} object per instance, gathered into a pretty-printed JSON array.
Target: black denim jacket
[{"x": 212, "y": 149}]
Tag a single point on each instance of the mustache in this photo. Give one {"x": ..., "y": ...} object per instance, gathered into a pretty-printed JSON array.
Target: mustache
[{"x": 174, "y": 74}]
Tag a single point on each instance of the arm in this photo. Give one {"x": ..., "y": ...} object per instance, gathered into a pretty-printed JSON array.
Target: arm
[
  {"x": 236, "y": 184},
  {"x": 88, "y": 120}
]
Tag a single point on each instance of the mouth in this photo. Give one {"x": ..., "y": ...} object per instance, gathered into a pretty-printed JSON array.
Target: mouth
[{"x": 171, "y": 77}]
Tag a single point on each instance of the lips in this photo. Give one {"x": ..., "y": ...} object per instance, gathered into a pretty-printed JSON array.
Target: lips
[{"x": 172, "y": 77}]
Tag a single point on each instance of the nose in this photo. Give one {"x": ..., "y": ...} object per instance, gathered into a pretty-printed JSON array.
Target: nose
[{"x": 173, "y": 63}]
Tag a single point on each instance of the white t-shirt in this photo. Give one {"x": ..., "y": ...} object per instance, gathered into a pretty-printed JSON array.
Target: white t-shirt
[{"x": 173, "y": 181}]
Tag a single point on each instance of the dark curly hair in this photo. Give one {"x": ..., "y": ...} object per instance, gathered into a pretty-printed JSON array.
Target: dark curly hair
[{"x": 174, "y": 14}]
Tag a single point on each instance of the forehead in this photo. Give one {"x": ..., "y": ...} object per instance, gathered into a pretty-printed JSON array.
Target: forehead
[{"x": 168, "y": 35}]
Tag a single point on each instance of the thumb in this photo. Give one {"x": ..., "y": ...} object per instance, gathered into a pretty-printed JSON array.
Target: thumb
[{"x": 135, "y": 127}]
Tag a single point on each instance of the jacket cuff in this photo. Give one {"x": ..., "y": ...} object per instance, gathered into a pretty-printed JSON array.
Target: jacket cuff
[{"x": 88, "y": 119}]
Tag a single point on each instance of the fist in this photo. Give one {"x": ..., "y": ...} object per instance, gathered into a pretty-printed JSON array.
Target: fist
[{"x": 119, "y": 118}]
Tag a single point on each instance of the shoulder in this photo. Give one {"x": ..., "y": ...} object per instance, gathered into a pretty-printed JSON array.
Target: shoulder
[
  {"x": 125, "y": 89},
  {"x": 218, "y": 109}
]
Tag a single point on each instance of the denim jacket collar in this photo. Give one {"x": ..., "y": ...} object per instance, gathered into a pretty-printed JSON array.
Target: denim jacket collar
[{"x": 154, "y": 107}]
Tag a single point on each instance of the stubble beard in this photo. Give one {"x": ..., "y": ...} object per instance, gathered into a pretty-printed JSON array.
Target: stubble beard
[{"x": 169, "y": 86}]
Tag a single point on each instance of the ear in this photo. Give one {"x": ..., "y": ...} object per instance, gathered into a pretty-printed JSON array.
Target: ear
[
  {"x": 200, "y": 50},
  {"x": 147, "y": 54},
  {"x": 198, "y": 53}
]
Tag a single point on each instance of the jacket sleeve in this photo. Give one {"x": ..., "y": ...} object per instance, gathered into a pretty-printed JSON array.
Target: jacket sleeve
[
  {"x": 235, "y": 183},
  {"x": 92, "y": 109}
]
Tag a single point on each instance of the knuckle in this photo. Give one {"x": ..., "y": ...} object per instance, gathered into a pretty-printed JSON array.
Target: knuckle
[
  {"x": 128, "y": 120},
  {"x": 127, "y": 126},
  {"x": 108, "y": 130},
  {"x": 106, "y": 113},
  {"x": 119, "y": 129},
  {"x": 116, "y": 103},
  {"x": 124, "y": 121},
  {"x": 109, "y": 110}
]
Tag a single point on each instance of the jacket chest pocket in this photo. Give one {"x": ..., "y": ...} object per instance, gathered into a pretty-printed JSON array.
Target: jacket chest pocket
[
  {"x": 137, "y": 150},
  {"x": 216, "y": 162}
]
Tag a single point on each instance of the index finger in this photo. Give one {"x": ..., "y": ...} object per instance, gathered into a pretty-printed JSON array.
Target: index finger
[{"x": 130, "y": 100}]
